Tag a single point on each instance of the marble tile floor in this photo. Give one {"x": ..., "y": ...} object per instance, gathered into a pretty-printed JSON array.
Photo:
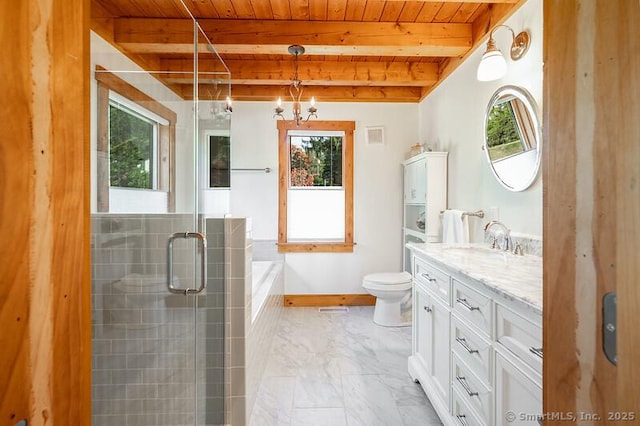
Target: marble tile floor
[{"x": 339, "y": 369}]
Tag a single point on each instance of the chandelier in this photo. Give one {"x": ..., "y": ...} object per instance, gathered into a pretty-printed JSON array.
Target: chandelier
[{"x": 295, "y": 90}]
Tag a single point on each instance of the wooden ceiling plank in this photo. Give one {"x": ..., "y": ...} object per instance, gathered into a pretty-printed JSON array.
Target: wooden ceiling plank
[
  {"x": 465, "y": 12},
  {"x": 410, "y": 11},
  {"x": 225, "y": 9},
  {"x": 428, "y": 12},
  {"x": 482, "y": 9},
  {"x": 336, "y": 10},
  {"x": 318, "y": 10},
  {"x": 280, "y": 10},
  {"x": 373, "y": 11},
  {"x": 391, "y": 12},
  {"x": 243, "y": 9},
  {"x": 272, "y": 37},
  {"x": 262, "y": 9},
  {"x": 446, "y": 12},
  {"x": 299, "y": 9},
  {"x": 173, "y": 9},
  {"x": 456, "y": 1},
  {"x": 355, "y": 10}
]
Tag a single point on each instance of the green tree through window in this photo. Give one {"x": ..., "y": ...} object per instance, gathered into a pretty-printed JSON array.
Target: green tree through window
[
  {"x": 316, "y": 161},
  {"x": 503, "y": 136},
  {"x": 130, "y": 149}
]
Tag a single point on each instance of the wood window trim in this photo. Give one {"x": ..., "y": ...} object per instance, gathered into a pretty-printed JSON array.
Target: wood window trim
[
  {"x": 284, "y": 246},
  {"x": 108, "y": 81}
]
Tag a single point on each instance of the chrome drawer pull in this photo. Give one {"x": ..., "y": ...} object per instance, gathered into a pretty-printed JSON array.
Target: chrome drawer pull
[
  {"x": 466, "y": 304},
  {"x": 428, "y": 309},
  {"x": 463, "y": 382},
  {"x": 464, "y": 344},
  {"x": 462, "y": 419},
  {"x": 427, "y": 277},
  {"x": 536, "y": 351}
]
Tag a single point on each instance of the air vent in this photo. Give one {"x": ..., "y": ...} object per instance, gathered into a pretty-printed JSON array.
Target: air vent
[{"x": 333, "y": 310}]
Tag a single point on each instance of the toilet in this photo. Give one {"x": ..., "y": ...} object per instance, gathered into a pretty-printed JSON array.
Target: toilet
[{"x": 392, "y": 291}]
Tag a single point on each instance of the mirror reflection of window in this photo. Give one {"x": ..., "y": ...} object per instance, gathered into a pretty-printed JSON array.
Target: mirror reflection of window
[
  {"x": 503, "y": 133},
  {"x": 219, "y": 161},
  {"x": 132, "y": 148},
  {"x": 512, "y": 138}
]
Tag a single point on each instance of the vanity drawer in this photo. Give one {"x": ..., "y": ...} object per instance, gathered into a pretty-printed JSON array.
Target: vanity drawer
[
  {"x": 474, "y": 350},
  {"x": 472, "y": 306},
  {"x": 471, "y": 390},
  {"x": 463, "y": 415},
  {"x": 433, "y": 278},
  {"x": 520, "y": 336}
]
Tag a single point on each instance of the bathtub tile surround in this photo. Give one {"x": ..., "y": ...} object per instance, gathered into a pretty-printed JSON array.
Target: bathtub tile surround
[
  {"x": 250, "y": 333},
  {"x": 339, "y": 368}
]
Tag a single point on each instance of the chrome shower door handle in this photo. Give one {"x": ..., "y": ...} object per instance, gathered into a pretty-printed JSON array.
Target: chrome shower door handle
[{"x": 202, "y": 241}]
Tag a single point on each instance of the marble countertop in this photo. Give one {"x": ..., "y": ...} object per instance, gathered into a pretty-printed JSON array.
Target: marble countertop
[{"x": 516, "y": 277}]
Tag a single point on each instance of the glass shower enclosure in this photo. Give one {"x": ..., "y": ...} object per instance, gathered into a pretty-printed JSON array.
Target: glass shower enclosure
[{"x": 158, "y": 296}]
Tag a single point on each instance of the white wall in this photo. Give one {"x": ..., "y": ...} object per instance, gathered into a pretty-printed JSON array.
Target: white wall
[
  {"x": 377, "y": 191},
  {"x": 452, "y": 119}
]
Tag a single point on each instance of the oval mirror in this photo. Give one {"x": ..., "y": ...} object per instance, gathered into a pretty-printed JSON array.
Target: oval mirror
[{"x": 512, "y": 137}]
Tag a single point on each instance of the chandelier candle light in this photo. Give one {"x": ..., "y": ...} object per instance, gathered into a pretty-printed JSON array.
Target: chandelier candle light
[{"x": 295, "y": 90}]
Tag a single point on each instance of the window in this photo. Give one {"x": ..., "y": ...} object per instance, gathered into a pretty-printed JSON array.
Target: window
[
  {"x": 136, "y": 141},
  {"x": 316, "y": 186},
  {"x": 219, "y": 161},
  {"x": 315, "y": 160},
  {"x": 133, "y": 145}
]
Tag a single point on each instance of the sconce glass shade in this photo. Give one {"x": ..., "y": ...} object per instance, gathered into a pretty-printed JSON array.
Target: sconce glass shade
[{"x": 492, "y": 66}]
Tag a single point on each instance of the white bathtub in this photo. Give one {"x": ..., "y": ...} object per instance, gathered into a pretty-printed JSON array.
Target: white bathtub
[{"x": 263, "y": 275}]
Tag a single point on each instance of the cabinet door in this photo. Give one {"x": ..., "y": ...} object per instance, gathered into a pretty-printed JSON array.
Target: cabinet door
[
  {"x": 423, "y": 327},
  {"x": 415, "y": 182},
  {"x": 432, "y": 341},
  {"x": 518, "y": 392},
  {"x": 441, "y": 353},
  {"x": 420, "y": 181}
]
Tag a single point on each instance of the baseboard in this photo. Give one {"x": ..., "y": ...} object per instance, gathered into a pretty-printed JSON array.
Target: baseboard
[{"x": 300, "y": 300}]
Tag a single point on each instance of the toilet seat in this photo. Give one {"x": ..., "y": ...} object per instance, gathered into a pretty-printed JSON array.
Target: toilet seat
[{"x": 388, "y": 281}]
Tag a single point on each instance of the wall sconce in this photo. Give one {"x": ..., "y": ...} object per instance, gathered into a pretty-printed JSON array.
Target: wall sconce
[{"x": 493, "y": 65}]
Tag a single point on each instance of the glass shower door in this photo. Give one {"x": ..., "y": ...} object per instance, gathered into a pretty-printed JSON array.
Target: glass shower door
[{"x": 158, "y": 323}]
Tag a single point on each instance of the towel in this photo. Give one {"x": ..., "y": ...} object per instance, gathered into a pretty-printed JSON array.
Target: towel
[{"x": 455, "y": 228}]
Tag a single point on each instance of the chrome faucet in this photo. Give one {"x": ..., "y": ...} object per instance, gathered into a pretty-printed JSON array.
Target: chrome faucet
[{"x": 505, "y": 231}]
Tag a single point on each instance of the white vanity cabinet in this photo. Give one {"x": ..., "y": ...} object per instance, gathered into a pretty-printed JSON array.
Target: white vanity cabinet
[
  {"x": 425, "y": 196},
  {"x": 477, "y": 349},
  {"x": 518, "y": 391},
  {"x": 431, "y": 335}
]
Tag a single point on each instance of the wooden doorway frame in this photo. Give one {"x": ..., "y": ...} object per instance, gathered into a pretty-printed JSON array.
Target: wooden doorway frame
[
  {"x": 591, "y": 199},
  {"x": 45, "y": 307}
]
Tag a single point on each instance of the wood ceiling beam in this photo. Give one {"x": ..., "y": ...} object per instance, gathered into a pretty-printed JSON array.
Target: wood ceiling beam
[
  {"x": 312, "y": 73},
  {"x": 150, "y": 35},
  {"x": 457, "y": 1},
  {"x": 321, "y": 93}
]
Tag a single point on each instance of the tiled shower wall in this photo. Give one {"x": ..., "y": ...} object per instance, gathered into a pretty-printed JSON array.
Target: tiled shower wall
[{"x": 149, "y": 347}]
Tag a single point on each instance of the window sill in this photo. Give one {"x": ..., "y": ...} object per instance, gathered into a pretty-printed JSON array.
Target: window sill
[{"x": 318, "y": 247}]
